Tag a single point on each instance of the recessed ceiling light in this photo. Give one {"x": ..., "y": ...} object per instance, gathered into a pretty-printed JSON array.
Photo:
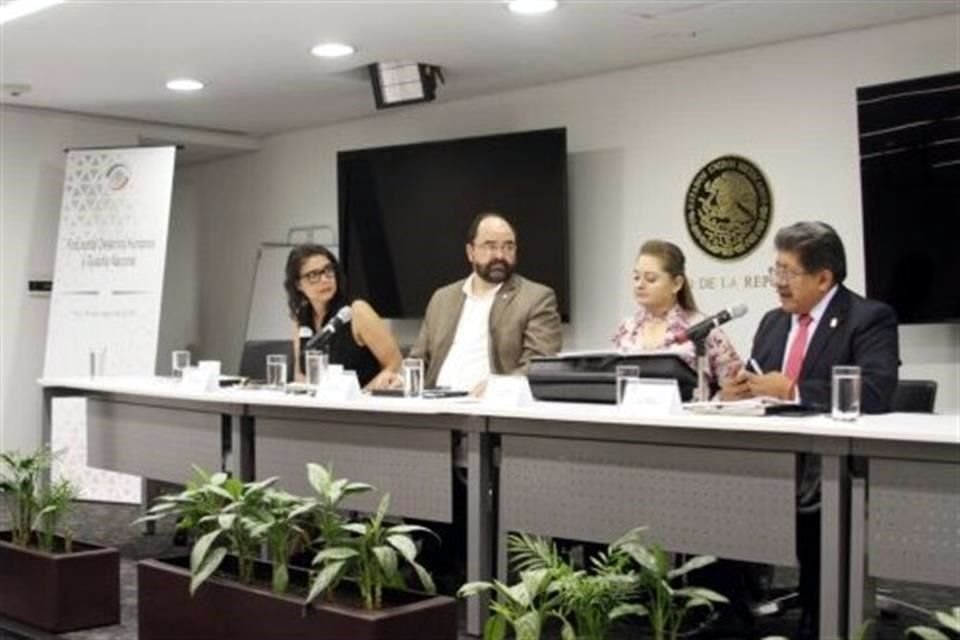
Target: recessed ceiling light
[
  {"x": 184, "y": 84},
  {"x": 531, "y": 7},
  {"x": 332, "y": 50},
  {"x": 19, "y": 8}
]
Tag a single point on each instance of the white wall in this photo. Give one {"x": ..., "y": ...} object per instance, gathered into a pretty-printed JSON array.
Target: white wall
[
  {"x": 636, "y": 138},
  {"x": 32, "y": 162}
]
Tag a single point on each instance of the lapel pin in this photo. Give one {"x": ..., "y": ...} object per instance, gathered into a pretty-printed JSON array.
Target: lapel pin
[{"x": 833, "y": 323}]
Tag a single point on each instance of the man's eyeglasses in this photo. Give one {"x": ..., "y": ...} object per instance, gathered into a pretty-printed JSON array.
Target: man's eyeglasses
[
  {"x": 506, "y": 248},
  {"x": 315, "y": 276},
  {"x": 782, "y": 274}
]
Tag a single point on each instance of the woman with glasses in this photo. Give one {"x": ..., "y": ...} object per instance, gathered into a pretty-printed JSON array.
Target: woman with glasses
[
  {"x": 666, "y": 309},
  {"x": 316, "y": 291}
]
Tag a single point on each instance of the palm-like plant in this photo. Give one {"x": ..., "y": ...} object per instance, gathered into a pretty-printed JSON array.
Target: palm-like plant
[
  {"x": 667, "y": 605},
  {"x": 53, "y": 505},
  {"x": 21, "y": 478},
  {"x": 947, "y": 619},
  {"x": 370, "y": 553},
  {"x": 585, "y": 603}
]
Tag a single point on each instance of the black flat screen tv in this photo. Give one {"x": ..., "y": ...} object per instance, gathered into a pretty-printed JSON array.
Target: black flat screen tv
[
  {"x": 910, "y": 185},
  {"x": 404, "y": 212}
]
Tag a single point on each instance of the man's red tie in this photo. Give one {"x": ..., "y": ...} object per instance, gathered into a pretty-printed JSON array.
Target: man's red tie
[{"x": 795, "y": 359}]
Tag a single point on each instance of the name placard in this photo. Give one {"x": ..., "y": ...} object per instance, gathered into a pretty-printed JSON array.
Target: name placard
[
  {"x": 651, "y": 397},
  {"x": 508, "y": 391},
  {"x": 338, "y": 386},
  {"x": 200, "y": 379}
]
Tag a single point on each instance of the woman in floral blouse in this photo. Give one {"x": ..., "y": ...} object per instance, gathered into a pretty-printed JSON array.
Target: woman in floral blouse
[{"x": 666, "y": 307}]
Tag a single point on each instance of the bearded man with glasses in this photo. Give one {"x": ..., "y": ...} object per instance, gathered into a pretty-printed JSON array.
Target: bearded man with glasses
[{"x": 491, "y": 322}]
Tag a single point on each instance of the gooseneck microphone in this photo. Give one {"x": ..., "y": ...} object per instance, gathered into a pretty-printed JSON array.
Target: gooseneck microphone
[
  {"x": 325, "y": 335},
  {"x": 703, "y": 328}
]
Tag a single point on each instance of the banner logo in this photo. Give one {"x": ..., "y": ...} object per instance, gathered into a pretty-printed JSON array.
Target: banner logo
[
  {"x": 118, "y": 176},
  {"x": 728, "y": 207}
]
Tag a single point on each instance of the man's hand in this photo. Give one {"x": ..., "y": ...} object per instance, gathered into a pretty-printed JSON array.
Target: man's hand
[
  {"x": 479, "y": 389},
  {"x": 736, "y": 389},
  {"x": 773, "y": 384}
]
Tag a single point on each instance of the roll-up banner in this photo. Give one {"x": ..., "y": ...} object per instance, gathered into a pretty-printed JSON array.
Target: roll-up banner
[{"x": 108, "y": 285}]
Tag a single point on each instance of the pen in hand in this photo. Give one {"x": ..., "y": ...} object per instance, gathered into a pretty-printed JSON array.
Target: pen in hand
[{"x": 755, "y": 366}]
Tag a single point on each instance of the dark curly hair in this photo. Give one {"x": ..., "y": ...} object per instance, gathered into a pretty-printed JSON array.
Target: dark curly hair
[{"x": 299, "y": 306}]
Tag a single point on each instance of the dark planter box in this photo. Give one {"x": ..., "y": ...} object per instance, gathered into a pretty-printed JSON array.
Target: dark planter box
[
  {"x": 59, "y": 592},
  {"x": 225, "y": 609}
]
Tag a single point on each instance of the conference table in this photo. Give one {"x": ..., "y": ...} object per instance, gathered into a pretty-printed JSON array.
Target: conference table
[{"x": 719, "y": 485}]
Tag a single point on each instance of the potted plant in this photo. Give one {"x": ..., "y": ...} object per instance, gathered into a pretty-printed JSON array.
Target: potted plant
[
  {"x": 949, "y": 620},
  {"x": 628, "y": 579},
  {"x": 586, "y": 603},
  {"x": 221, "y": 591},
  {"x": 48, "y": 580}
]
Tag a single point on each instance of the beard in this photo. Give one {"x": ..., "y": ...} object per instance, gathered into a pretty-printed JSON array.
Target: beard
[{"x": 495, "y": 271}]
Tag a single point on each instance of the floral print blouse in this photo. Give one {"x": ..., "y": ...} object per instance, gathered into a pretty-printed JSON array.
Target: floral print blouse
[{"x": 721, "y": 355}]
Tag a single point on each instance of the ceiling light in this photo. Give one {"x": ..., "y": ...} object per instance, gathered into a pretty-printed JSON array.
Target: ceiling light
[
  {"x": 332, "y": 50},
  {"x": 19, "y": 8},
  {"x": 184, "y": 84},
  {"x": 531, "y": 7}
]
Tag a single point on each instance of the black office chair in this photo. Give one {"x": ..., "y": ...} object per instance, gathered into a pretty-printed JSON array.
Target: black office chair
[
  {"x": 253, "y": 361},
  {"x": 911, "y": 396},
  {"x": 915, "y": 396}
]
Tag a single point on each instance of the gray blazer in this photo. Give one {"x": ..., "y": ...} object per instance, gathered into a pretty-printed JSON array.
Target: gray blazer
[{"x": 524, "y": 322}]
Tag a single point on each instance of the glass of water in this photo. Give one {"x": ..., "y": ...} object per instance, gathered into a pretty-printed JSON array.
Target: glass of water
[
  {"x": 626, "y": 375},
  {"x": 845, "y": 393},
  {"x": 412, "y": 377},
  {"x": 277, "y": 370},
  {"x": 179, "y": 360},
  {"x": 98, "y": 361},
  {"x": 316, "y": 364}
]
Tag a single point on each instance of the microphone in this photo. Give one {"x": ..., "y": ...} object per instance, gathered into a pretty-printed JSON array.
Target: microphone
[
  {"x": 325, "y": 335},
  {"x": 703, "y": 328}
]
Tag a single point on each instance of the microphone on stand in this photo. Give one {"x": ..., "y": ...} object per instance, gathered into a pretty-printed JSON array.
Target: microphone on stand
[
  {"x": 703, "y": 328},
  {"x": 325, "y": 335}
]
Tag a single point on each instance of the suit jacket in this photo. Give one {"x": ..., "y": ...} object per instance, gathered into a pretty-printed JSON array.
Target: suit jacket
[
  {"x": 524, "y": 322},
  {"x": 852, "y": 331}
]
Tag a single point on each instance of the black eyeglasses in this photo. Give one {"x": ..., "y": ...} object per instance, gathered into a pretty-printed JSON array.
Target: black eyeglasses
[
  {"x": 782, "y": 274},
  {"x": 315, "y": 276}
]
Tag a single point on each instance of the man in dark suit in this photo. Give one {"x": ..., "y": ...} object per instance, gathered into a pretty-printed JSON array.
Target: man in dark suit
[{"x": 820, "y": 324}]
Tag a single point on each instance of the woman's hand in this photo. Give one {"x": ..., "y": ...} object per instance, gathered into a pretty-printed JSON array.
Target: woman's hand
[{"x": 386, "y": 379}]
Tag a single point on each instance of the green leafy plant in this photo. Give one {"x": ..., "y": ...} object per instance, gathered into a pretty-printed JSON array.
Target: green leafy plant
[
  {"x": 280, "y": 523},
  {"x": 586, "y": 603},
  {"x": 666, "y": 603},
  {"x": 21, "y": 480},
  {"x": 949, "y": 620},
  {"x": 53, "y": 505},
  {"x": 225, "y": 515},
  {"x": 327, "y": 517},
  {"x": 370, "y": 553}
]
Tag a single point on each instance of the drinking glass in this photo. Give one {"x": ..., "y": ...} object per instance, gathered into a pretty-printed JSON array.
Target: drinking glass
[
  {"x": 412, "y": 377},
  {"x": 316, "y": 364},
  {"x": 626, "y": 374},
  {"x": 845, "y": 393},
  {"x": 98, "y": 361},
  {"x": 277, "y": 370},
  {"x": 179, "y": 360}
]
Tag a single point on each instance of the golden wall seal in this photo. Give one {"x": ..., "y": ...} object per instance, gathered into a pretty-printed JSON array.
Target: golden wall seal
[{"x": 728, "y": 207}]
